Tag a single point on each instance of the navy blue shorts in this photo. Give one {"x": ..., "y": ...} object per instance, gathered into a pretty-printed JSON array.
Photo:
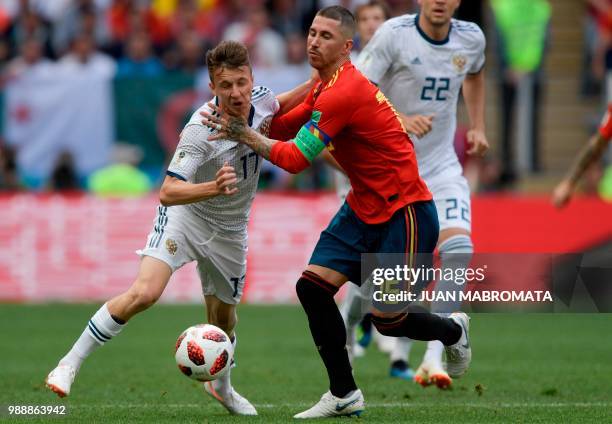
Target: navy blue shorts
[{"x": 412, "y": 229}]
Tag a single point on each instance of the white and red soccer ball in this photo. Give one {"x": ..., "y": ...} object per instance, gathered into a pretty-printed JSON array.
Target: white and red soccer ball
[{"x": 204, "y": 352}]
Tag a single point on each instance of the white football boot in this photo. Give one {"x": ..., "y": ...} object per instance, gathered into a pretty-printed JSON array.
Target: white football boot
[
  {"x": 459, "y": 355},
  {"x": 332, "y": 406},
  {"x": 60, "y": 379},
  {"x": 232, "y": 400}
]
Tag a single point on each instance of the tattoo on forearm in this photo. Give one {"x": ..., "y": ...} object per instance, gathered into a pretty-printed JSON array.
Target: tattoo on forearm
[
  {"x": 586, "y": 158},
  {"x": 238, "y": 130}
]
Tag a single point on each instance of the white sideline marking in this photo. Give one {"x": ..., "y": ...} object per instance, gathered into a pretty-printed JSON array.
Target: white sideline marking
[{"x": 371, "y": 405}]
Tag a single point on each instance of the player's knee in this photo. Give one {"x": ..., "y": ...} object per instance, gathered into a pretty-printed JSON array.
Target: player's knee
[
  {"x": 302, "y": 289},
  {"x": 311, "y": 287},
  {"x": 457, "y": 247},
  {"x": 143, "y": 295},
  {"x": 144, "y": 299}
]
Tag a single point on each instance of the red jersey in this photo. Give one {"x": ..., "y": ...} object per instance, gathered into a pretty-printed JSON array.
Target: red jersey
[
  {"x": 605, "y": 128},
  {"x": 362, "y": 131}
]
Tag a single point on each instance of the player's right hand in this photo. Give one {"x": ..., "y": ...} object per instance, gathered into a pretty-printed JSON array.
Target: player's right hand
[
  {"x": 226, "y": 180},
  {"x": 419, "y": 125},
  {"x": 562, "y": 194}
]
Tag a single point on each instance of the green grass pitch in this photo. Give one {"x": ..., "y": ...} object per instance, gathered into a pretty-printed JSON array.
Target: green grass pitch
[{"x": 526, "y": 368}]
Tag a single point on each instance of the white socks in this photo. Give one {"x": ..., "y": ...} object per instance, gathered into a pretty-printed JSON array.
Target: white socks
[
  {"x": 435, "y": 348},
  {"x": 100, "y": 329},
  {"x": 401, "y": 350},
  {"x": 223, "y": 385}
]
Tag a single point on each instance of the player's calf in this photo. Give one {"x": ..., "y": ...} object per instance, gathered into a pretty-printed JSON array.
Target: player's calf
[
  {"x": 109, "y": 320},
  {"x": 328, "y": 332},
  {"x": 221, "y": 314},
  {"x": 418, "y": 324},
  {"x": 455, "y": 254}
]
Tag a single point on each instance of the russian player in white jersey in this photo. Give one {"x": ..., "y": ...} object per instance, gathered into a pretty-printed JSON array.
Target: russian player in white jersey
[
  {"x": 205, "y": 203},
  {"x": 421, "y": 62}
]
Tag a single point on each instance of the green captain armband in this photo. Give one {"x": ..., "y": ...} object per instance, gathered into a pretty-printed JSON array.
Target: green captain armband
[{"x": 311, "y": 141}]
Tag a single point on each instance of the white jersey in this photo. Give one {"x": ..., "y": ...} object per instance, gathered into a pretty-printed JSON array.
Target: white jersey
[
  {"x": 197, "y": 160},
  {"x": 424, "y": 76}
]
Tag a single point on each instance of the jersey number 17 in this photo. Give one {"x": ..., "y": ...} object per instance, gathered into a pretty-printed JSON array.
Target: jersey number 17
[{"x": 245, "y": 160}]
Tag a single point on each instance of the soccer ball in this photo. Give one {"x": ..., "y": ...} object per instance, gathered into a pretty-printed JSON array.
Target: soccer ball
[{"x": 204, "y": 352}]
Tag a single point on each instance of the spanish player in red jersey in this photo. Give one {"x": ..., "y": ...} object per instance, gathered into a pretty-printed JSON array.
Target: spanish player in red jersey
[{"x": 389, "y": 210}]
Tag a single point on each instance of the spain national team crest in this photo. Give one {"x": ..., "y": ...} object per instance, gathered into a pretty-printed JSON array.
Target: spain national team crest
[
  {"x": 459, "y": 62},
  {"x": 171, "y": 246}
]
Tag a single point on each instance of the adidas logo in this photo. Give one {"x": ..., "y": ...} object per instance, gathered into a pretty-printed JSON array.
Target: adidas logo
[{"x": 416, "y": 61}]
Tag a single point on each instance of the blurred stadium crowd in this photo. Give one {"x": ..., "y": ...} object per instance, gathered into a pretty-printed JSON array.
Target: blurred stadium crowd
[
  {"x": 147, "y": 38},
  {"x": 152, "y": 39}
]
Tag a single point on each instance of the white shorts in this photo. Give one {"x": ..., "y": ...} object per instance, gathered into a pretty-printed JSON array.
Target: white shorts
[
  {"x": 452, "y": 198},
  {"x": 179, "y": 237}
]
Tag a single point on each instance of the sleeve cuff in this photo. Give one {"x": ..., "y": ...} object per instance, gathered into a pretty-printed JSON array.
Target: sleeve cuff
[{"x": 175, "y": 175}]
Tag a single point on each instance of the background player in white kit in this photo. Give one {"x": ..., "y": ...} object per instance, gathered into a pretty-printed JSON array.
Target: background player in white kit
[
  {"x": 421, "y": 62},
  {"x": 206, "y": 199}
]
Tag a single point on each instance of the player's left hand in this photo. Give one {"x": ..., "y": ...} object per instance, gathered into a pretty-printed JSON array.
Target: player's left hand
[
  {"x": 227, "y": 127},
  {"x": 226, "y": 180},
  {"x": 478, "y": 142},
  {"x": 562, "y": 194}
]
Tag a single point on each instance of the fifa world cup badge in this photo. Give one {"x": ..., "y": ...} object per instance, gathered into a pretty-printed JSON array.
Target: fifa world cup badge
[{"x": 177, "y": 158}]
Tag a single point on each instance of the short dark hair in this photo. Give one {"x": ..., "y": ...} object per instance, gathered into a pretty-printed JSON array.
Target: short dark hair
[
  {"x": 227, "y": 54},
  {"x": 341, "y": 14},
  {"x": 373, "y": 3}
]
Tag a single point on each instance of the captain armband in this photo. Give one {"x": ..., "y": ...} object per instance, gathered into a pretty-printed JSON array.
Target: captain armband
[{"x": 311, "y": 141}]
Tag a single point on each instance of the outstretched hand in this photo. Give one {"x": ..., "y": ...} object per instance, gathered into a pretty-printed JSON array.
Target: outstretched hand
[{"x": 228, "y": 127}]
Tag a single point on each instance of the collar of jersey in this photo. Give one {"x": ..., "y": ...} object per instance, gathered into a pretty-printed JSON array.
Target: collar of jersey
[
  {"x": 251, "y": 112},
  {"x": 427, "y": 37}
]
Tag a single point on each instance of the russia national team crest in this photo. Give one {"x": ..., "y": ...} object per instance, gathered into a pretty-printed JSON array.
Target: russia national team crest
[
  {"x": 459, "y": 62},
  {"x": 264, "y": 127},
  {"x": 171, "y": 246}
]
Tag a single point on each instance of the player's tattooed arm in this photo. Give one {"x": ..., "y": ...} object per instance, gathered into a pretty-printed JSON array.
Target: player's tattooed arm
[
  {"x": 292, "y": 157},
  {"x": 235, "y": 128},
  {"x": 238, "y": 130},
  {"x": 587, "y": 156}
]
